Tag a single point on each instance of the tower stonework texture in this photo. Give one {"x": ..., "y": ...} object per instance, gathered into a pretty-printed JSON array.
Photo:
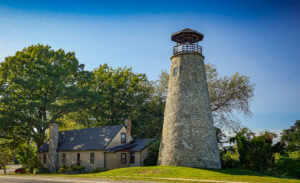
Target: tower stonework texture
[{"x": 189, "y": 137}]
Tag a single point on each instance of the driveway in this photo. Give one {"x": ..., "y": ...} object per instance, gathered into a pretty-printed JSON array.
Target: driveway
[
  {"x": 49, "y": 179},
  {"x": 11, "y": 169}
]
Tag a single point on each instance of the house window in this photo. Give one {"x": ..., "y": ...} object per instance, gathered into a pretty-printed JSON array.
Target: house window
[
  {"x": 132, "y": 157},
  {"x": 123, "y": 158},
  {"x": 123, "y": 138},
  {"x": 92, "y": 158},
  {"x": 78, "y": 159},
  {"x": 44, "y": 159},
  {"x": 63, "y": 159}
]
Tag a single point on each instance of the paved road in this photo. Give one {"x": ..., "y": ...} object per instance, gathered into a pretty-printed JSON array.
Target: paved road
[{"x": 35, "y": 179}]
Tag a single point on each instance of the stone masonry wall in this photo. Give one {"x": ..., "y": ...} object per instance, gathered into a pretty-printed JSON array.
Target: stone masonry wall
[{"x": 188, "y": 138}]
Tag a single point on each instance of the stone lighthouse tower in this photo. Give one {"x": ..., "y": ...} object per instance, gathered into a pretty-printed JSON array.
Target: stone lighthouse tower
[{"x": 188, "y": 137}]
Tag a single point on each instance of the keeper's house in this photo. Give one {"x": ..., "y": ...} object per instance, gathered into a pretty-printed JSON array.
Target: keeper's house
[{"x": 104, "y": 147}]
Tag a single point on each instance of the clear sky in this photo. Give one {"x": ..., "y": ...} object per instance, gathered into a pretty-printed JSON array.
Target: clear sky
[{"x": 258, "y": 38}]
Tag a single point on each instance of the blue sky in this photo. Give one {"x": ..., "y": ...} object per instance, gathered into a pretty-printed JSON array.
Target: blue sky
[{"x": 258, "y": 38}]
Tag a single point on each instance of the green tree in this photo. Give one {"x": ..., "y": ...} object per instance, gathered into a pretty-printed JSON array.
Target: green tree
[
  {"x": 288, "y": 165},
  {"x": 27, "y": 157},
  {"x": 230, "y": 157},
  {"x": 6, "y": 153},
  {"x": 228, "y": 95},
  {"x": 119, "y": 94},
  {"x": 242, "y": 140},
  {"x": 38, "y": 85},
  {"x": 291, "y": 137},
  {"x": 152, "y": 157},
  {"x": 255, "y": 152},
  {"x": 161, "y": 85},
  {"x": 261, "y": 152}
]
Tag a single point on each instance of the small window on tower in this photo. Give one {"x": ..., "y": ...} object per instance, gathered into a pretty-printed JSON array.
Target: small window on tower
[{"x": 175, "y": 71}]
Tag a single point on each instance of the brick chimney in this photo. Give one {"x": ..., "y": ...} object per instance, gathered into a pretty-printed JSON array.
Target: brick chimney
[
  {"x": 53, "y": 145},
  {"x": 128, "y": 126}
]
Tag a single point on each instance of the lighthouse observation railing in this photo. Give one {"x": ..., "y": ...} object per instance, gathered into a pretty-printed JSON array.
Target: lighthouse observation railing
[{"x": 187, "y": 48}]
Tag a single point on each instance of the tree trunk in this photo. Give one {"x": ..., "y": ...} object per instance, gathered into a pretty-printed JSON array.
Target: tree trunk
[{"x": 28, "y": 144}]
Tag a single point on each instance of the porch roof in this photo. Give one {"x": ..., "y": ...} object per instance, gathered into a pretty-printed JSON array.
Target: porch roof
[{"x": 135, "y": 146}]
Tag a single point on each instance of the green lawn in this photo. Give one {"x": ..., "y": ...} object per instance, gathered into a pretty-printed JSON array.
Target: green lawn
[{"x": 151, "y": 173}]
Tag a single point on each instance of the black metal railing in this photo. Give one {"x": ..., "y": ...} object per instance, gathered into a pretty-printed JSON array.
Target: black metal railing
[{"x": 187, "y": 48}]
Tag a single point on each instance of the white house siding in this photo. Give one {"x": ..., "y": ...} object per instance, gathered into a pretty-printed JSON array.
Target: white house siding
[
  {"x": 137, "y": 161},
  {"x": 144, "y": 154},
  {"x": 113, "y": 160},
  {"x": 71, "y": 159}
]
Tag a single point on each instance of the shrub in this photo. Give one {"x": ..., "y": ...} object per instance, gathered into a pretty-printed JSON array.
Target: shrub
[
  {"x": 73, "y": 168},
  {"x": 78, "y": 169},
  {"x": 98, "y": 170},
  {"x": 152, "y": 157},
  {"x": 255, "y": 152},
  {"x": 42, "y": 170},
  {"x": 63, "y": 169},
  {"x": 230, "y": 159},
  {"x": 81, "y": 169},
  {"x": 288, "y": 165}
]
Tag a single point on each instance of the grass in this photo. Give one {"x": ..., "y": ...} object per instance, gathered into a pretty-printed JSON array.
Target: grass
[{"x": 155, "y": 172}]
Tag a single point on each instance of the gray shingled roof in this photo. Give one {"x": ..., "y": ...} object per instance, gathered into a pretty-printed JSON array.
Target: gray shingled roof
[
  {"x": 44, "y": 147},
  {"x": 141, "y": 144},
  {"x": 135, "y": 146},
  {"x": 85, "y": 139}
]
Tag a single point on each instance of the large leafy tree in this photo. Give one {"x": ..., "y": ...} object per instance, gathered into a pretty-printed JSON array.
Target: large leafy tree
[
  {"x": 119, "y": 94},
  {"x": 228, "y": 95},
  {"x": 38, "y": 85}
]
